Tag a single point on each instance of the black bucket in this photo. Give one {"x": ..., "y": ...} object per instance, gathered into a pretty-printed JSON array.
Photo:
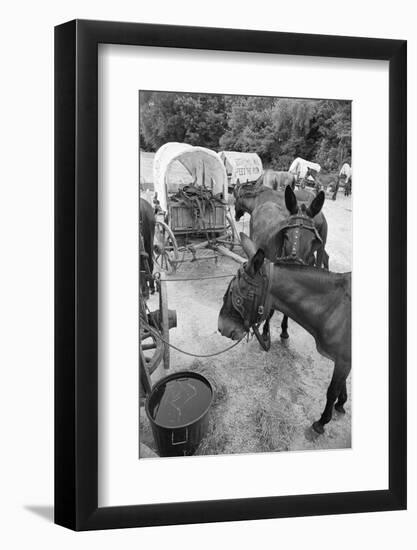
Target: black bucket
[{"x": 177, "y": 408}]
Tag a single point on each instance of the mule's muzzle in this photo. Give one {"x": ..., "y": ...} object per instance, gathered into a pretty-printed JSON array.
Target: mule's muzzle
[{"x": 229, "y": 329}]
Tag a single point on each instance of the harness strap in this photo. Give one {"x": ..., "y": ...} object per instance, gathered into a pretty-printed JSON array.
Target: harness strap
[{"x": 266, "y": 305}]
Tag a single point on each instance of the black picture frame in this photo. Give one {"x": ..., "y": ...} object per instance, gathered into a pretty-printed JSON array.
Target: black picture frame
[{"x": 76, "y": 272}]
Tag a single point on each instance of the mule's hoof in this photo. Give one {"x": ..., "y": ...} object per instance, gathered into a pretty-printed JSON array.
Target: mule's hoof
[
  {"x": 340, "y": 409},
  {"x": 285, "y": 335},
  {"x": 266, "y": 341},
  {"x": 318, "y": 428}
]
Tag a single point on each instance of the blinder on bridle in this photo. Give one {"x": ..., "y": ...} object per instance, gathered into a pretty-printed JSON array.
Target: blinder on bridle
[
  {"x": 250, "y": 295},
  {"x": 297, "y": 222}
]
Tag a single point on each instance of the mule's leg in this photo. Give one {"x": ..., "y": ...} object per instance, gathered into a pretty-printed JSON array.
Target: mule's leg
[
  {"x": 284, "y": 327},
  {"x": 340, "y": 374},
  {"x": 325, "y": 260},
  {"x": 151, "y": 281},
  {"x": 342, "y": 399},
  {"x": 322, "y": 258},
  {"x": 266, "y": 327}
]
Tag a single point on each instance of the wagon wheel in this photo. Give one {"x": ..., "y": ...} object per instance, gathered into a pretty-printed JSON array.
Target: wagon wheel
[
  {"x": 231, "y": 234},
  {"x": 151, "y": 350},
  {"x": 165, "y": 248},
  {"x": 164, "y": 320}
]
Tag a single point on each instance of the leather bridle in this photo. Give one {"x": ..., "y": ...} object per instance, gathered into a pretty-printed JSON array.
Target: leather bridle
[
  {"x": 251, "y": 297},
  {"x": 297, "y": 222}
]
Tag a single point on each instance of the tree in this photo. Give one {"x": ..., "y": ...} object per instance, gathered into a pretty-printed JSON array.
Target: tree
[
  {"x": 278, "y": 129},
  {"x": 194, "y": 119}
]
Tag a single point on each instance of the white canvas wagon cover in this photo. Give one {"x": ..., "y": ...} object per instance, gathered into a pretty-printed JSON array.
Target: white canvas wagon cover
[
  {"x": 241, "y": 166},
  {"x": 346, "y": 171},
  {"x": 204, "y": 165},
  {"x": 299, "y": 167}
]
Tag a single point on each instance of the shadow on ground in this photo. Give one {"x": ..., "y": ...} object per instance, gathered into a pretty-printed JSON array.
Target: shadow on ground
[{"x": 45, "y": 512}]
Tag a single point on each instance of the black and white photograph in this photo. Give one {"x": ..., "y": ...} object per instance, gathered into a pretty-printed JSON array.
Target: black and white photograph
[
  {"x": 208, "y": 275},
  {"x": 245, "y": 261}
]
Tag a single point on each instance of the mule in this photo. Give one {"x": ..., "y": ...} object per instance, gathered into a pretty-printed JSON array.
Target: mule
[
  {"x": 325, "y": 180},
  {"x": 274, "y": 232},
  {"x": 248, "y": 198},
  {"x": 146, "y": 238},
  {"x": 318, "y": 300},
  {"x": 276, "y": 180}
]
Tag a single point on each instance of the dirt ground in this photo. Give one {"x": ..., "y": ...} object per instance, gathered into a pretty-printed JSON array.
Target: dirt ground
[{"x": 264, "y": 401}]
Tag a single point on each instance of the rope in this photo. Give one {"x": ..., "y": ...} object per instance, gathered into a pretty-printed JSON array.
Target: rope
[
  {"x": 200, "y": 278},
  {"x": 157, "y": 335}
]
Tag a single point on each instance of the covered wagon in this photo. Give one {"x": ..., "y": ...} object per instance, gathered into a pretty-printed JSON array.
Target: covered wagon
[
  {"x": 241, "y": 167},
  {"x": 195, "y": 205},
  {"x": 299, "y": 167}
]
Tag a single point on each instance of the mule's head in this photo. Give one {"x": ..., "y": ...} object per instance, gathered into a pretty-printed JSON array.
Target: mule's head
[
  {"x": 234, "y": 323},
  {"x": 243, "y": 194},
  {"x": 239, "y": 209},
  {"x": 297, "y": 239},
  {"x": 312, "y": 172},
  {"x": 238, "y": 201}
]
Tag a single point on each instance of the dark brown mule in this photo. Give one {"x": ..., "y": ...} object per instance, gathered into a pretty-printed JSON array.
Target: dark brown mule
[
  {"x": 297, "y": 206},
  {"x": 318, "y": 300},
  {"x": 249, "y": 197},
  {"x": 146, "y": 237},
  {"x": 274, "y": 232}
]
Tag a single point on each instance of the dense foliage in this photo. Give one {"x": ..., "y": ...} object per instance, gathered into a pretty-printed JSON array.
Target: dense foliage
[{"x": 278, "y": 129}]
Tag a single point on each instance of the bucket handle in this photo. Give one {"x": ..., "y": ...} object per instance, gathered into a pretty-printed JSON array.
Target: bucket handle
[{"x": 179, "y": 442}]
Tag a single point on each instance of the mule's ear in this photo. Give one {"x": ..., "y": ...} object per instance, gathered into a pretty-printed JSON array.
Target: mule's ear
[
  {"x": 248, "y": 245},
  {"x": 255, "y": 263},
  {"x": 238, "y": 215},
  {"x": 316, "y": 205},
  {"x": 290, "y": 200}
]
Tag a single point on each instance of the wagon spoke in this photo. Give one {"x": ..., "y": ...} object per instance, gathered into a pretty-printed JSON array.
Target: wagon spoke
[{"x": 166, "y": 248}]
